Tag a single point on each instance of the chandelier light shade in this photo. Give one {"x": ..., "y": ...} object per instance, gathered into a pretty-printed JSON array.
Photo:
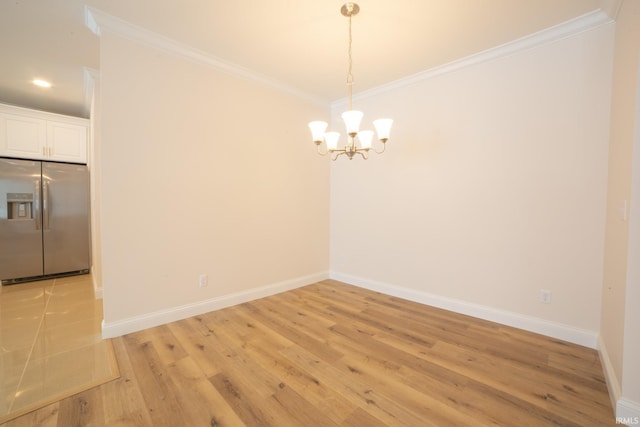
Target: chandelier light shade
[
  {"x": 358, "y": 141},
  {"x": 352, "y": 121}
]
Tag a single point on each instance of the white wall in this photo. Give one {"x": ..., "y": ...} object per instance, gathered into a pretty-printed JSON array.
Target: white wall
[
  {"x": 620, "y": 340},
  {"x": 201, "y": 173},
  {"x": 493, "y": 187}
]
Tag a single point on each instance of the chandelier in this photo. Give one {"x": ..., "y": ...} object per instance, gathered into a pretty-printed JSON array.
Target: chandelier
[{"x": 358, "y": 141}]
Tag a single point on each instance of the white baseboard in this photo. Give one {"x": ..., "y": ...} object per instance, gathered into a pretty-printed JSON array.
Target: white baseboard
[
  {"x": 609, "y": 373},
  {"x": 97, "y": 290},
  {"x": 627, "y": 411},
  {"x": 149, "y": 320},
  {"x": 552, "y": 329}
]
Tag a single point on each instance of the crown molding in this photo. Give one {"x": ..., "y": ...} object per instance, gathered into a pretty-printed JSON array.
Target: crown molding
[
  {"x": 561, "y": 31},
  {"x": 610, "y": 7},
  {"x": 98, "y": 21}
]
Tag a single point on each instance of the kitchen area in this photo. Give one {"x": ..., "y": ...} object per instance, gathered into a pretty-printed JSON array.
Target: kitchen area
[
  {"x": 50, "y": 318},
  {"x": 44, "y": 195}
]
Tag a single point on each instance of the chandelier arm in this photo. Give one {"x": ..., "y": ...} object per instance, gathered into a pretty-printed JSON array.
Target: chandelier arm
[
  {"x": 338, "y": 154},
  {"x": 384, "y": 146},
  {"x": 320, "y": 151},
  {"x": 363, "y": 153}
]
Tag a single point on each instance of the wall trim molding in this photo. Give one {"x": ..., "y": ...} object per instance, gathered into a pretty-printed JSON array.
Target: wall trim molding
[
  {"x": 172, "y": 314},
  {"x": 97, "y": 290},
  {"x": 532, "y": 324},
  {"x": 561, "y": 31},
  {"x": 609, "y": 373},
  {"x": 98, "y": 21}
]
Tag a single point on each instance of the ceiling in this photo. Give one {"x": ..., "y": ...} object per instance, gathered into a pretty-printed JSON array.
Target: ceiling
[{"x": 300, "y": 43}]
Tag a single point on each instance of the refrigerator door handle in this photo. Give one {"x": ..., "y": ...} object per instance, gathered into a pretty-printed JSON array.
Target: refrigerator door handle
[
  {"x": 45, "y": 204},
  {"x": 37, "y": 204}
]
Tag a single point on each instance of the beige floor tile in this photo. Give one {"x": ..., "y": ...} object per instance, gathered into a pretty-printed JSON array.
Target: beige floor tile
[
  {"x": 12, "y": 366},
  {"x": 6, "y": 400},
  {"x": 61, "y": 373},
  {"x": 65, "y": 314},
  {"x": 50, "y": 340},
  {"x": 17, "y": 335},
  {"x": 21, "y": 313},
  {"x": 21, "y": 297},
  {"x": 84, "y": 279},
  {"x": 66, "y": 337},
  {"x": 75, "y": 289},
  {"x": 12, "y": 363}
]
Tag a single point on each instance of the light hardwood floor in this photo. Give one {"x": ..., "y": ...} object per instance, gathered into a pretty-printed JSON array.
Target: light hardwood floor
[{"x": 330, "y": 354}]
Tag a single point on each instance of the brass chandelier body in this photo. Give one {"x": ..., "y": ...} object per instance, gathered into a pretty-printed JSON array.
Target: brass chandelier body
[{"x": 358, "y": 141}]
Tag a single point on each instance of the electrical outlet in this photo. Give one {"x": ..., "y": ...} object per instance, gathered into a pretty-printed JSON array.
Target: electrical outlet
[
  {"x": 203, "y": 281},
  {"x": 624, "y": 208},
  {"x": 545, "y": 296}
]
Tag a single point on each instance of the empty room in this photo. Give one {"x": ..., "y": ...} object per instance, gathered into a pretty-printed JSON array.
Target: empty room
[{"x": 318, "y": 213}]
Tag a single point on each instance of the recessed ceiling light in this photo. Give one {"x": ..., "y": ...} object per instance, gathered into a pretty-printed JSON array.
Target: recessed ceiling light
[{"x": 41, "y": 83}]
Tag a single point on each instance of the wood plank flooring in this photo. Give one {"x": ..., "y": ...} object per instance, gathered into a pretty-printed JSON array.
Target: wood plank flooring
[{"x": 331, "y": 354}]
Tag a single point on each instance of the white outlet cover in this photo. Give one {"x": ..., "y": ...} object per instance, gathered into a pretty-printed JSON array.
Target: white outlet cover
[
  {"x": 545, "y": 296},
  {"x": 203, "y": 280}
]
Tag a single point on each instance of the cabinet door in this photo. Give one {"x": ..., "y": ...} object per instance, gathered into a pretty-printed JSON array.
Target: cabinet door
[
  {"x": 67, "y": 142},
  {"x": 23, "y": 137}
]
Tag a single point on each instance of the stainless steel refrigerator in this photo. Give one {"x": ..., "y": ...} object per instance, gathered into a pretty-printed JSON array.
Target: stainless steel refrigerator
[{"x": 44, "y": 220}]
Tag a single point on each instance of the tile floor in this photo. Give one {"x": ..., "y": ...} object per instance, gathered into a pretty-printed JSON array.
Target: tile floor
[{"x": 50, "y": 341}]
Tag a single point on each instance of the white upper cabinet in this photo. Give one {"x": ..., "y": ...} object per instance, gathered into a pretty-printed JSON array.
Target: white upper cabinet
[
  {"x": 31, "y": 134},
  {"x": 22, "y": 136},
  {"x": 67, "y": 142}
]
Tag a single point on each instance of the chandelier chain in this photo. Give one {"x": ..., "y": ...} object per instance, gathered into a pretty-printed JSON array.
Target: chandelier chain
[{"x": 350, "y": 75}]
